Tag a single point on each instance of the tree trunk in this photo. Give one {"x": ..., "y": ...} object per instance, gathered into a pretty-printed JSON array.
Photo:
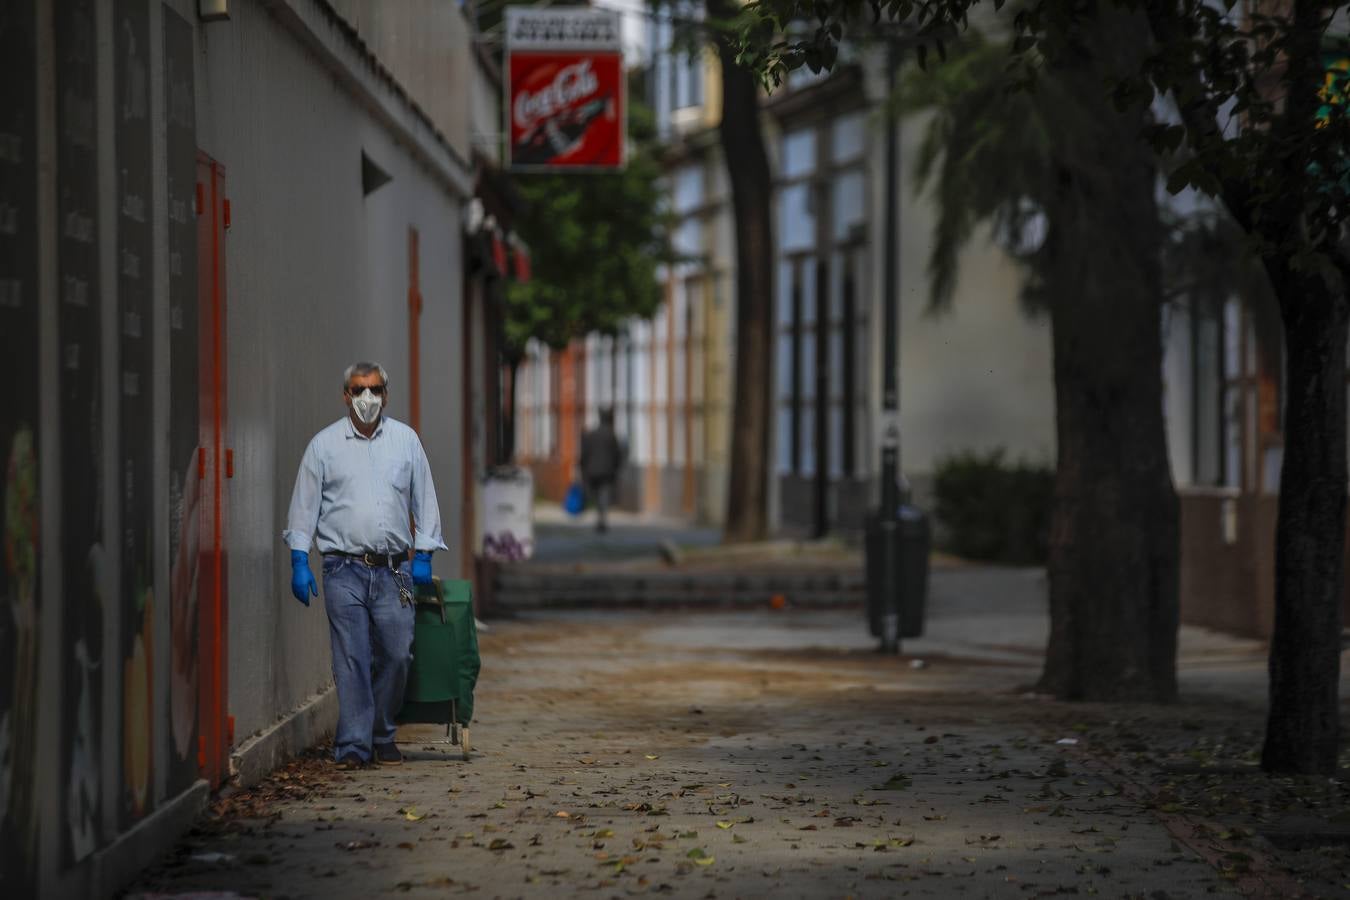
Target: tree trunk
[
  {"x": 1114, "y": 541},
  {"x": 747, "y": 165},
  {"x": 1303, "y": 724}
]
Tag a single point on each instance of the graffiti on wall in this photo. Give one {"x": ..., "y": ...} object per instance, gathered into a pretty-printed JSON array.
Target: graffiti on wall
[
  {"x": 185, "y": 506},
  {"x": 18, "y": 457},
  {"x": 81, "y": 423},
  {"x": 132, "y": 141}
]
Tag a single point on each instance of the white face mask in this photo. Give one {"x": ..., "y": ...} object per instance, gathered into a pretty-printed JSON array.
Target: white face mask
[{"x": 367, "y": 407}]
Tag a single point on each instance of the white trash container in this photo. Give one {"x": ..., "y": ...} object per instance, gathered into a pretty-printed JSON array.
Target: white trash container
[{"x": 508, "y": 515}]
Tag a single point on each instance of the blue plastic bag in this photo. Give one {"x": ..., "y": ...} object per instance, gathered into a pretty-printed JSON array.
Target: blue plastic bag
[{"x": 575, "y": 500}]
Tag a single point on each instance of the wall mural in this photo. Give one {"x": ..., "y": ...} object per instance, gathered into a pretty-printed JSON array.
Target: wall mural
[
  {"x": 18, "y": 453},
  {"x": 132, "y": 137},
  {"x": 185, "y": 507},
  {"x": 81, "y": 422}
]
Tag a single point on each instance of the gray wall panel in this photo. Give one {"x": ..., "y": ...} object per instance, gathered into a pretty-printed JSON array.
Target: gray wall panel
[
  {"x": 317, "y": 277},
  {"x": 184, "y": 506},
  {"x": 136, "y": 364},
  {"x": 19, "y": 492},
  {"x": 80, "y": 324}
]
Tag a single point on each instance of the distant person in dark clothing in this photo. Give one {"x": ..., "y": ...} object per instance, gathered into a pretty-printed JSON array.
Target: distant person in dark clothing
[{"x": 601, "y": 458}]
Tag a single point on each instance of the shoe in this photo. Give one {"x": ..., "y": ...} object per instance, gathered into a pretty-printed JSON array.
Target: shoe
[
  {"x": 350, "y": 761},
  {"x": 388, "y": 755}
]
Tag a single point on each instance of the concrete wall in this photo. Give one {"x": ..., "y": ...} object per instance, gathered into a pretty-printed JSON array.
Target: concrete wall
[
  {"x": 317, "y": 278},
  {"x": 485, "y": 109},
  {"x": 111, "y": 656},
  {"x": 425, "y": 45}
]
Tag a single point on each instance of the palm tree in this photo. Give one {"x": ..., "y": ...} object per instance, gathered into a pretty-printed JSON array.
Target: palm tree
[{"x": 1070, "y": 190}]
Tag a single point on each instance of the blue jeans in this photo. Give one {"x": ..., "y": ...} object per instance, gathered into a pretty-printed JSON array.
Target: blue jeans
[{"x": 371, "y": 632}]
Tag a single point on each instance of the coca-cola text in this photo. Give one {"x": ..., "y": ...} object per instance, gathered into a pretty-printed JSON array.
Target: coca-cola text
[{"x": 572, "y": 84}]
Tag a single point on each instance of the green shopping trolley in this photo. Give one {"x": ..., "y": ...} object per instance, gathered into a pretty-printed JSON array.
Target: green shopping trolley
[{"x": 445, "y": 661}]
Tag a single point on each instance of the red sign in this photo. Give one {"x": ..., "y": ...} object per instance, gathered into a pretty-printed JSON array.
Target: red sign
[{"x": 566, "y": 109}]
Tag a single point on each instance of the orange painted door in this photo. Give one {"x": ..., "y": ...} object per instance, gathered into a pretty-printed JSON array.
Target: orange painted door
[{"x": 215, "y": 464}]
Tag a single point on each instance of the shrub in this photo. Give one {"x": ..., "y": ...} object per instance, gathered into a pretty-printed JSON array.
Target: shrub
[{"x": 993, "y": 510}]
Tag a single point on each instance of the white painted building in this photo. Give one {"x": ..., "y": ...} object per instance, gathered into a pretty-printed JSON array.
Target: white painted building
[
  {"x": 219, "y": 216},
  {"x": 972, "y": 378}
]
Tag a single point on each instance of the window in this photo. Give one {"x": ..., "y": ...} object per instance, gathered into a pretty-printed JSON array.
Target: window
[
  {"x": 796, "y": 364},
  {"x": 799, "y": 154},
  {"x": 641, "y": 394},
  {"x": 695, "y": 289},
  {"x": 623, "y": 374},
  {"x": 848, "y": 208},
  {"x": 1236, "y": 400},
  {"x": 685, "y": 67},
  {"x": 660, "y": 388},
  {"x": 1232, "y": 393},
  {"x": 688, "y": 239},
  {"x": 822, "y": 333},
  {"x": 590, "y": 385},
  {"x": 688, "y": 85},
  {"x": 660, "y": 76},
  {"x": 688, "y": 189},
  {"x": 535, "y": 422},
  {"x": 803, "y": 77},
  {"x": 1206, "y": 382},
  {"x": 848, "y": 137},
  {"x": 797, "y": 225}
]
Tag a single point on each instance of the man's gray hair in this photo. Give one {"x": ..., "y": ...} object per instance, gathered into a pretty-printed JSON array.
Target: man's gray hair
[{"x": 364, "y": 368}]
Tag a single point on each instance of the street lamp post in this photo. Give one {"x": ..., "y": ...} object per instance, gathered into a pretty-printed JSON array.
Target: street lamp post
[{"x": 889, "y": 522}]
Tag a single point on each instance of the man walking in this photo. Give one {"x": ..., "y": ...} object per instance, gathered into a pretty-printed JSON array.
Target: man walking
[
  {"x": 360, "y": 481},
  {"x": 601, "y": 458}
]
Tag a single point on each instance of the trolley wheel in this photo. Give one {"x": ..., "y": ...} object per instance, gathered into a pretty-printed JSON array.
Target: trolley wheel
[{"x": 464, "y": 741}]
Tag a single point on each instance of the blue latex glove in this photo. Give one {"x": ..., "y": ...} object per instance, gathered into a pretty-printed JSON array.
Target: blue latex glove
[
  {"x": 421, "y": 567},
  {"x": 302, "y": 579}
]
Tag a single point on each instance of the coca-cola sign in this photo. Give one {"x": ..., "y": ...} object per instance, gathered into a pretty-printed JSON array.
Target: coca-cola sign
[
  {"x": 573, "y": 84},
  {"x": 565, "y": 90},
  {"x": 566, "y": 110}
]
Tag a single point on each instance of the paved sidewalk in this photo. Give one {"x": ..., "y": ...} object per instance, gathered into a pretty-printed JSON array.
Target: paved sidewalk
[{"x": 768, "y": 754}]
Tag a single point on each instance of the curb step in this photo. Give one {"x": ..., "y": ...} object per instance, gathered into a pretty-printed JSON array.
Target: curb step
[{"x": 676, "y": 590}]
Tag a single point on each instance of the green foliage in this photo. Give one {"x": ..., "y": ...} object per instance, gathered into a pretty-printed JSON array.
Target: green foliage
[
  {"x": 596, "y": 240},
  {"x": 988, "y": 155},
  {"x": 992, "y": 510},
  {"x": 1281, "y": 174},
  {"x": 1036, "y": 166}
]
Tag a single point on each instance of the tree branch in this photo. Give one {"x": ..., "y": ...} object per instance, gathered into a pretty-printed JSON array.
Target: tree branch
[{"x": 1201, "y": 120}]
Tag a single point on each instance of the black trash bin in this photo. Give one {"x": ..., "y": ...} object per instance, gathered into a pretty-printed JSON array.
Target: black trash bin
[{"x": 910, "y": 541}]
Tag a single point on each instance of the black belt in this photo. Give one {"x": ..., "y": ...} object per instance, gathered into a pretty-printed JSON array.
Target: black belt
[{"x": 374, "y": 560}]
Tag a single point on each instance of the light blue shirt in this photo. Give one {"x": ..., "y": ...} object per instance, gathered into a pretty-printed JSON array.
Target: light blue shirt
[{"x": 354, "y": 494}]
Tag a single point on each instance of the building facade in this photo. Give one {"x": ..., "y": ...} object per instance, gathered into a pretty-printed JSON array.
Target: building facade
[
  {"x": 1224, "y": 382},
  {"x": 207, "y": 220},
  {"x": 972, "y": 378}
]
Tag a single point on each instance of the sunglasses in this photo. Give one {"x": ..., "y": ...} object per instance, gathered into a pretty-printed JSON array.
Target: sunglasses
[{"x": 376, "y": 389}]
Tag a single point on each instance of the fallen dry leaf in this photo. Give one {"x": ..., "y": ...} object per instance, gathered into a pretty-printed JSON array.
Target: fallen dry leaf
[{"x": 356, "y": 845}]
